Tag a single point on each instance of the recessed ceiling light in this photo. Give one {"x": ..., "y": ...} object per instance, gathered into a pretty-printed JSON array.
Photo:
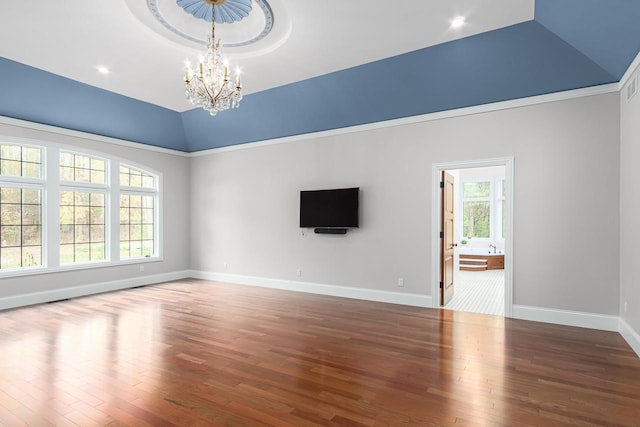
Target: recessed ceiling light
[
  {"x": 103, "y": 70},
  {"x": 458, "y": 22}
]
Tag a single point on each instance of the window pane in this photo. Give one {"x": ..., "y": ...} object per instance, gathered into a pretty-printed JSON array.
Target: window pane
[
  {"x": 96, "y": 199},
  {"x": 79, "y": 168},
  {"x": 66, "y": 159},
  {"x": 82, "y": 252},
  {"x": 82, "y": 226},
  {"x": 131, "y": 177},
  {"x": 476, "y": 219},
  {"x": 30, "y": 214},
  {"x": 81, "y": 215},
  {"x": 10, "y": 168},
  {"x": 10, "y": 214},
  {"x": 476, "y": 189},
  {"x": 9, "y": 236},
  {"x": 97, "y": 251},
  {"x": 31, "y": 196},
  {"x": 66, "y": 233},
  {"x": 31, "y": 256},
  {"x": 11, "y": 257},
  {"x": 31, "y": 235},
  {"x": 31, "y": 170},
  {"x": 147, "y": 248},
  {"x": 97, "y": 233},
  {"x": 97, "y": 215},
  {"x": 10, "y": 195},
  {"x": 147, "y": 216},
  {"x": 12, "y": 152},
  {"x": 97, "y": 177},
  {"x": 67, "y": 254},
  {"x": 81, "y": 234},
  {"x": 97, "y": 165},
  {"x": 147, "y": 232}
]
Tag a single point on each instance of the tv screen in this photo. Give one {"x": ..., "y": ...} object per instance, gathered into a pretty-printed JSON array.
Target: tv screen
[{"x": 329, "y": 208}]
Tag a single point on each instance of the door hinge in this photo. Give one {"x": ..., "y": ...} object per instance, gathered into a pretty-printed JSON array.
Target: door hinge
[
  {"x": 441, "y": 285},
  {"x": 442, "y": 235},
  {"x": 441, "y": 184}
]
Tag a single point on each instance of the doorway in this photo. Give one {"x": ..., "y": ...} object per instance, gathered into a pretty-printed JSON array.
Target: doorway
[{"x": 482, "y": 238}]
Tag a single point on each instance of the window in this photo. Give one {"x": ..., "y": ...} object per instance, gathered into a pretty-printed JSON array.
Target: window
[
  {"x": 78, "y": 204},
  {"x": 21, "y": 187},
  {"x": 82, "y": 208},
  {"x": 82, "y": 226},
  {"x": 483, "y": 204},
  {"x": 138, "y": 199},
  {"x": 476, "y": 209}
]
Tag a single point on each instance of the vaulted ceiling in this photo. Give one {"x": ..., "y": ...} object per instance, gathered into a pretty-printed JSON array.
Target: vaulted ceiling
[{"x": 326, "y": 64}]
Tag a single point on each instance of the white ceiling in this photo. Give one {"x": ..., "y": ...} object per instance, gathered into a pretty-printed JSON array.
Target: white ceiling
[{"x": 71, "y": 37}]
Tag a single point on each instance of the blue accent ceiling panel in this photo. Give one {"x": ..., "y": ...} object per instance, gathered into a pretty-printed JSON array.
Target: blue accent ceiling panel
[
  {"x": 514, "y": 62},
  {"x": 608, "y": 31},
  {"x": 31, "y": 94}
]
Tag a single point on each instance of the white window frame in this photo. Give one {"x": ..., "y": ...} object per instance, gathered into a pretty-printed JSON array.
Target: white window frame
[
  {"x": 88, "y": 187},
  {"x": 23, "y": 182},
  {"x": 142, "y": 191},
  {"x": 51, "y": 186}
]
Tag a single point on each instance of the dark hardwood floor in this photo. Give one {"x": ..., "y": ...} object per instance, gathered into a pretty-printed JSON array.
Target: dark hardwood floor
[{"x": 197, "y": 353}]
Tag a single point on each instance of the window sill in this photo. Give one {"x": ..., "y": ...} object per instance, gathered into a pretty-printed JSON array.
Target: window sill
[{"x": 32, "y": 271}]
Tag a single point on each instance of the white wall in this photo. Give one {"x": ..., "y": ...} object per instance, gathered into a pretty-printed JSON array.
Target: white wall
[
  {"x": 566, "y": 223},
  {"x": 174, "y": 169},
  {"x": 630, "y": 209}
]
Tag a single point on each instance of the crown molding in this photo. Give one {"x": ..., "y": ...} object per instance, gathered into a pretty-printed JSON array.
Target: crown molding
[{"x": 4, "y": 120}]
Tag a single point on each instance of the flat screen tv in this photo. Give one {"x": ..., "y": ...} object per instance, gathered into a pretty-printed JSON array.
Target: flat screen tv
[{"x": 329, "y": 208}]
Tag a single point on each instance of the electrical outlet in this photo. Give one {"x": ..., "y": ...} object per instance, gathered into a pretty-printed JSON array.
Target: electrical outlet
[
  {"x": 142, "y": 268},
  {"x": 400, "y": 282},
  {"x": 299, "y": 272},
  {"x": 625, "y": 306}
]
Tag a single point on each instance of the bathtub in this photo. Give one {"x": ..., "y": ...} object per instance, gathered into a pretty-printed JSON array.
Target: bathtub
[
  {"x": 478, "y": 251},
  {"x": 479, "y": 259}
]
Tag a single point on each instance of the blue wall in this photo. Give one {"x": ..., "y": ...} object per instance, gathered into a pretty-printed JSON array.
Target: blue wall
[
  {"x": 607, "y": 31},
  {"x": 571, "y": 44},
  {"x": 31, "y": 94},
  {"x": 514, "y": 62}
]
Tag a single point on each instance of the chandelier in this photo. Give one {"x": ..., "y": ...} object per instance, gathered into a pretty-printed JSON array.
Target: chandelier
[{"x": 209, "y": 84}]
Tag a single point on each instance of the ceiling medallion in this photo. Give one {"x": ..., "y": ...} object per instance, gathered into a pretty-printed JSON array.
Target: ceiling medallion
[{"x": 227, "y": 11}]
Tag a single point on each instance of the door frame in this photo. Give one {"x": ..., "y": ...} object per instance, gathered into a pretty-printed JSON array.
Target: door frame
[{"x": 436, "y": 202}]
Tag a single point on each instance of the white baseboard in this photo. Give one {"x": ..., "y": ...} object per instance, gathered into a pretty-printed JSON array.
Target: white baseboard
[
  {"x": 537, "y": 314},
  {"x": 630, "y": 335},
  {"x": 83, "y": 290},
  {"x": 580, "y": 319},
  {"x": 415, "y": 300}
]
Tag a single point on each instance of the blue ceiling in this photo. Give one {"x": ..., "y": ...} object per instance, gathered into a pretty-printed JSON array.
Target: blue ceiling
[{"x": 571, "y": 44}]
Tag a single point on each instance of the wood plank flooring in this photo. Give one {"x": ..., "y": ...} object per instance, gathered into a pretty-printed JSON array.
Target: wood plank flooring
[{"x": 197, "y": 353}]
